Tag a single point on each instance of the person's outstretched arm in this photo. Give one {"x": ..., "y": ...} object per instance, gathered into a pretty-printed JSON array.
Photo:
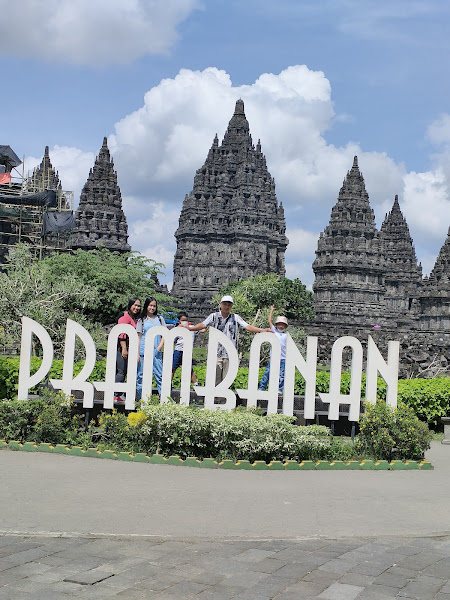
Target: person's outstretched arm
[{"x": 272, "y": 308}]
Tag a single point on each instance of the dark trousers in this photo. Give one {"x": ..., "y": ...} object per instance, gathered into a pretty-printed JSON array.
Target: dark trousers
[{"x": 121, "y": 369}]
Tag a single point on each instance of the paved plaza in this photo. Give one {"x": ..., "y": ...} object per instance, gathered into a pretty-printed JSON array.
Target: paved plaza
[{"x": 87, "y": 528}]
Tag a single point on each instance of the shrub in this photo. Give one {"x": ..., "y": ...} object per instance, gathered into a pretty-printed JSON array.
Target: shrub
[
  {"x": 47, "y": 419},
  {"x": 240, "y": 434},
  {"x": 387, "y": 433},
  {"x": 429, "y": 398}
]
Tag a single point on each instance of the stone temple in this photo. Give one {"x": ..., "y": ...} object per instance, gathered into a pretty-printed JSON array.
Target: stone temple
[
  {"x": 365, "y": 277},
  {"x": 231, "y": 224},
  {"x": 369, "y": 282},
  {"x": 100, "y": 220}
]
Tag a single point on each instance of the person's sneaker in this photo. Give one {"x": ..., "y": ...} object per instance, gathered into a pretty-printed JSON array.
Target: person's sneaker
[{"x": 118, "y": 399}]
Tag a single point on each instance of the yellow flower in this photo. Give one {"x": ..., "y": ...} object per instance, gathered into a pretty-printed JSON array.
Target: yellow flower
[{"x": 136, "y": 419}]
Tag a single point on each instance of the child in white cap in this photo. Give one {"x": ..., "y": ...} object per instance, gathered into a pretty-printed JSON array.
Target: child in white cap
[{"x": 279, "y": 329}]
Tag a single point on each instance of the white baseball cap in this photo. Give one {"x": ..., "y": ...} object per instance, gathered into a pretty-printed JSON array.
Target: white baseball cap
[
  {"x": 281, "y": 320},
  {"x": 227, "y": 299}
]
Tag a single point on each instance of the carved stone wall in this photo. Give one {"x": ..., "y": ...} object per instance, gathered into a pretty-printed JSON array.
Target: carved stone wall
[
  {"x": 99, "y": 218},
  {"x": 349, "y": 266},
  {"x": 231, "y": 225}
]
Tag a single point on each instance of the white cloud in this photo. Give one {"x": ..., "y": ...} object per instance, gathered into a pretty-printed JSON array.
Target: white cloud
[
  {"x": 158, "y": 148},
  {"x": 92, "y": 33},
  {"x": 152, "y": 233},
  {"x": 439, "y": 131}
]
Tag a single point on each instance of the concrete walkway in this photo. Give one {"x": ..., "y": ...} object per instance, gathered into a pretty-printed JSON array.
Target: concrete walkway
[{"x": 93, "y": 528}]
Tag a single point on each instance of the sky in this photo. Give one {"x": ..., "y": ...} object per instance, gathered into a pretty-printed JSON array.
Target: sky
[{"x": 322, "y": 81}]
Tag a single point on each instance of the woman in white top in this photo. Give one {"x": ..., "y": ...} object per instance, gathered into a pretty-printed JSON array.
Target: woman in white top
[{"x": 150, "y": 318}]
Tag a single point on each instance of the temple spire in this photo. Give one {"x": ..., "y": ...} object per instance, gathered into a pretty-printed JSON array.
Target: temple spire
[
  {"x": 100, "y": 220},
  {"x": 44, "y": 177},
  {"x": 231, "y": 226}
]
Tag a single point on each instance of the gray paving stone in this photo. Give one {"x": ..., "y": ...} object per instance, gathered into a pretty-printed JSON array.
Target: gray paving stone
[
  {"x": 79, "y": 562},
  {"x": 407, "y": 550},
  {"x": 184, "y": 590},
  {"x": 372, "y": 567},
  {"x": 340, "y": 565},
  {"x": 268, "y": 565},
  {"x": 321, "y": 576},
  {"x": 276, "y": 545},
  {"x": 220, "y": 565},
  {"x": 89, "y": 577},
  {"x": 250, "y": 595},
  {"x": 341, "y": 591},
  {"x": 382, "y": 590},
  {"x": 245, "y": 580},
  {"x": 304, "y": 589},
  {"x": 160, "y": 582},
  {"x": 20, "y": 572},
  {"x": 372, "y": 593},
  {"x": 440, "y": 596},
  {"x": 209, "y": 578},
  {"x": 294, "y": 570},
  {"x": 219, "y": 592},
  {"x": 421, "y": 561},
  {"x": 273, "y": 585},
  {"x": 292, "y": 553},
  {"x": 423, "y": 589},
  {"x": 314, "y": 545},
  {"x": 391, "y": 579},
  {"x": 446, "y": 588},
  {"x": 357, "y": 579},
  {"x": 253, "y": 555},
  {"x": 440, "y": 568},
  {"x": 408, "y": 573}
]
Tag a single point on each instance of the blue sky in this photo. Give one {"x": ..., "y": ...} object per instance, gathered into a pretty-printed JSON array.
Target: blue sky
[{"x": 321, "y": 81}]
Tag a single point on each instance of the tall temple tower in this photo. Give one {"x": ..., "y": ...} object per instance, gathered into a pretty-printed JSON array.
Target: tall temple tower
[
  {"x": 435, "y": 295},
  {"x": 100, "y": 220},
  {"x": 231, "y": 225},
  {"x": 349, "y": 266},
  {"x": 403, "y": 276},
  {"x": 44, "y": 176}
]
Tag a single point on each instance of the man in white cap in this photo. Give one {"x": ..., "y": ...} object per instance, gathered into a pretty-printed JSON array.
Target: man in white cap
[{"x": 227, "y": 323}]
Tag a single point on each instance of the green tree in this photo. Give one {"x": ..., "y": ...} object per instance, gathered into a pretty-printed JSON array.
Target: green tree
[
  {"x": 257, "y": 294},
  {"x": 28, "y": 288},
  {"x": 115, "y": 276},
  {"x": 254, "y": 296},
  {"x": 88, "y": 287}
]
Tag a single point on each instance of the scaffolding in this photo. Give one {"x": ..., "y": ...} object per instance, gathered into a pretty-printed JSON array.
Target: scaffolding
[{"x": 22, "y": 214}]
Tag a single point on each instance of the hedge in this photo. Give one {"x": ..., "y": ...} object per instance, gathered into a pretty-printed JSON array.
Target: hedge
[{"x": 429, "y": 398}]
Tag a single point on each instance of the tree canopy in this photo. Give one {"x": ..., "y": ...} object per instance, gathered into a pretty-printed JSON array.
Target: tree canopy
[
  {"x": 256, "y": 294},
  {"x": 88, "y": 287},
  {"x": 115, "y": 276}
]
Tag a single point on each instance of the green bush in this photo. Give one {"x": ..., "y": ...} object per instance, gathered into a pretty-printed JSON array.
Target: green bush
[
  {"x": 392, "y": 433},
  {"x": 48, "y": 419},
  {"x": 241, "y": 434},
  {"x": 429, "y": 398}
]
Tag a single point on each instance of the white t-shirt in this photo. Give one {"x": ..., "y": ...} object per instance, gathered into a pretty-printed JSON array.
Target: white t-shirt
[
  {"x": 179, "y": 341},
  {"x": 282, "y": 336}
]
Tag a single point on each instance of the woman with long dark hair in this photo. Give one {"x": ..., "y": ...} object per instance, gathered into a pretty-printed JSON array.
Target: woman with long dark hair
[
  {"x": 130, "y": 317},
  {"x": 150, "y": 318}
]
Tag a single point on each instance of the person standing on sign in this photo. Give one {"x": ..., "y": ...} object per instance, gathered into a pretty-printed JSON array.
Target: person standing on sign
[
  {"x": 182, "y": 321},
  {"x": 129, "y": 317},
  {"x": 279, "y": 330},
  {"x": 227, "y": 323},
  {"x": 149, "y": 319}
]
